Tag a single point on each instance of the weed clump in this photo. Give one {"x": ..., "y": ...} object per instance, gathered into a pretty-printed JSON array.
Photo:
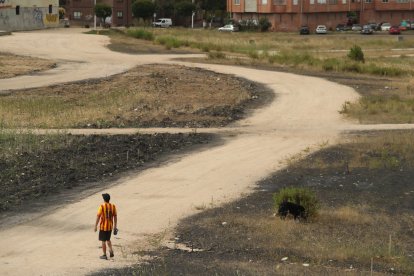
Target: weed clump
[
  {"x": 216, "y": 55},
  {"x": 356, "y": 54},
  {"x": 301, "y": 196},
  {"x": 170, "y": 42},
  {"x": 141, "y": 34}
]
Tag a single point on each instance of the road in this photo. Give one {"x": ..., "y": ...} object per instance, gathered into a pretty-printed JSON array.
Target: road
[{"x": 303, "y": 115}]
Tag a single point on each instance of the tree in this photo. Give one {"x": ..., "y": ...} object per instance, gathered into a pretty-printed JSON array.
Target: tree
[
  {"x": 143, "y": 9},
  {"x": 165, "y": 8},
  {"x": 103, "y": 11},
  {"x": 184, "y": 8},
  {"x": 213, "y": 5}
]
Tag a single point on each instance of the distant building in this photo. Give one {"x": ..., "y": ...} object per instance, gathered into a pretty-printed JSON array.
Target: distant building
[
  {"x": 21, "y": 15},
  {"x": 289, "y": 15},
  {"x": 81, "y": 12}
]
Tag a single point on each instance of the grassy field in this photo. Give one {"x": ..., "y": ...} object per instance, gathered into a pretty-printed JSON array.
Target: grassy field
[
  {"x": 145, "y": 96},
  {"x": 364, "y": 185},
  {"x": 384, "y": 57}
]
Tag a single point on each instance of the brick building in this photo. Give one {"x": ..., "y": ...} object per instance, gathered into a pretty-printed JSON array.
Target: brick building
[
  {"x": 289, "y": 15},
  {"x": 81, "y": 12}
]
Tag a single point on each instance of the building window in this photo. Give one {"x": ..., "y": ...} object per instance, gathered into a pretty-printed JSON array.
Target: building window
[
  {"x": 384, "y": 1},
  {"x": 312, "y": 2},
  {"x": 77, "y": 15},
  {"x": 17, "y": 10},
  {"x": 120, "y": 14},
  {"x": 321, "y": 1},
  {"x": 403, "y": 1},
  {"x": 264, "y": 2},
  {"x": 333, "y": 2},
  {"x": 344, "y": 2},
  {"x": 295, "y": 2},
  {"x": 236, "y": 2},
  {"x": 368, "y": 1},
  {"x": 279, "y": 2},
  {"x": 50, "y": 9}
]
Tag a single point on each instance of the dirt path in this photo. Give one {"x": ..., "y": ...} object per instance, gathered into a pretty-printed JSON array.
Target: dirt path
[{"x": 61, "y": 242}]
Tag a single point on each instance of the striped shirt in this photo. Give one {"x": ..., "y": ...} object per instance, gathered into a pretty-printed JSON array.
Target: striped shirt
[{"x": 106, "y": 212}]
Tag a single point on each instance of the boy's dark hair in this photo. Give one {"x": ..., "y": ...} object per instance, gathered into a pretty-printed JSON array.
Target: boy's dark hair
[{"x": 106, "y": 197}]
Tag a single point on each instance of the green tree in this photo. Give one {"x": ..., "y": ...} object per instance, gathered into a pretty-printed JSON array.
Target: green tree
[
  {"x": 143, "y": 9},
  {"x": 164, "y": 8},
  {"x": 103, "y": 11},
  {"x": 184, "y": 8},
  {"x": 213, "y": 5}
]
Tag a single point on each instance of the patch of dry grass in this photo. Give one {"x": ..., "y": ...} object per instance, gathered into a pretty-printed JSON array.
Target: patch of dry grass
[
  {"x": 145, "y": 95},
  {"x": 13, "y": 65}
]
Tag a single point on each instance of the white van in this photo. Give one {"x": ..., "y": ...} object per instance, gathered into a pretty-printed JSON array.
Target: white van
[{"x": 162, "y": 23}]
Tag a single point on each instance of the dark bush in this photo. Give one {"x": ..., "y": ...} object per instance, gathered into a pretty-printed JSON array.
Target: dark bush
[{"x": 301, "y": 196}]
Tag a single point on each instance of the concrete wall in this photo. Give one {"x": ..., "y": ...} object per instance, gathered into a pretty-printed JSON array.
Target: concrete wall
[{"x": 33, "y": 14}]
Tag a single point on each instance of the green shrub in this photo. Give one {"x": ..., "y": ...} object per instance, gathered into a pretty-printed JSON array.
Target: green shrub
[
  {"x": 141, "y": 34},
  {"x": 253, "y": 54},
  {"x": 264, "y": 24},
  {"x": 302, "y": 196},
  {"x": 330, "y": 64},
  {"x": 356, "y": 54},
  {"x": 384, "y": 71},
  {"x": 169, "y": 42},
  {"x": 351, "y": 67}
]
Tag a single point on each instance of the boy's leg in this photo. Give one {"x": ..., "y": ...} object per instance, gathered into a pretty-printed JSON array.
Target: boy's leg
[
  {"x": 111, "y": 252},
  {"x": 104, "y": 247}
]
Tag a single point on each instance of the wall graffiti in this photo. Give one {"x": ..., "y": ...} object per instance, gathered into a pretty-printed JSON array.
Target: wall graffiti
[
  {"x": 51, "y": 18},
  {"x": 38, "y": 15}
]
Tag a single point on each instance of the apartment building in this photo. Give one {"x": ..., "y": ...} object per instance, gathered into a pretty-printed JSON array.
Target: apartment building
[
  {"x": 81, "y": 12},
  {"x": 21, "y": 15},
  {"x": 289, "y": 15}
]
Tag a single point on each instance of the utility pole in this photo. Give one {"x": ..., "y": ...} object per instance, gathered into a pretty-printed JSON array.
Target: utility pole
[{"x": 94, "y": 15}]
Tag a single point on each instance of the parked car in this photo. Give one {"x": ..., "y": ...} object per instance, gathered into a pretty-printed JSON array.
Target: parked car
[
  {"x": 385, "y": 26},
  {"x": 366, "y": 29},
  {"x": 394, "y": 30},
  {"x": 356, "y": 28},
  {"x": 374, "y": 26},
  {"x": 304, "y": 30},
  {"x": 162, "y": 23},
  {"x": 229, "y": 28},
  {"x": 321, "y": 29},
  {"x": 342, "y": 28}
]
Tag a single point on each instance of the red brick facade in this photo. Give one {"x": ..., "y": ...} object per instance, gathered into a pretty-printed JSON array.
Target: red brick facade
[
  {"x": 289, "y": 15},
  {"x": 80, "y": 12}
]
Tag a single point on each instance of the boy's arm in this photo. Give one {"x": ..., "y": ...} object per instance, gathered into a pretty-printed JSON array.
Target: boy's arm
[{"x": 96, "y": 222}]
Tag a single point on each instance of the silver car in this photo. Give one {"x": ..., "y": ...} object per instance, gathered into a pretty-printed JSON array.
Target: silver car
[
  {"x": 321, "y": 29},
  {"x": 228, "y": 28}
]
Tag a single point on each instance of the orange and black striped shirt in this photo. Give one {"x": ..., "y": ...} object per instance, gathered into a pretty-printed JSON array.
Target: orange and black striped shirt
[{"x": 106, "y": 212}]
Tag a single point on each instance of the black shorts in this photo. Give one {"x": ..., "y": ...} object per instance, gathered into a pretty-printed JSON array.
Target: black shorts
[{"x": 105, "y": 235}]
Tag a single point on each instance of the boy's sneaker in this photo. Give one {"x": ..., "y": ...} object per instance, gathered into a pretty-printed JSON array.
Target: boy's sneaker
[
  {"x": 103, "y": 257},
  {"x": 111, "y": 254}
]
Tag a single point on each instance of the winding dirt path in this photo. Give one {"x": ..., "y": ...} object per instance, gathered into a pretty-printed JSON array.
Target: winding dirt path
[{"x": 62, "y": 241}]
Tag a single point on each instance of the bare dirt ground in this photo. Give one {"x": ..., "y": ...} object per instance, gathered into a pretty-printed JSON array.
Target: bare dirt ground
[{"x": 61, "y": 241}]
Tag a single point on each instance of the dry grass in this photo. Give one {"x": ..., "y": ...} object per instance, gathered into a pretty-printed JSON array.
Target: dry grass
[
  {"x": 12, "y": 65},
  {"x": 144, "y": 95}
]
